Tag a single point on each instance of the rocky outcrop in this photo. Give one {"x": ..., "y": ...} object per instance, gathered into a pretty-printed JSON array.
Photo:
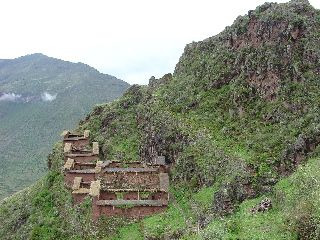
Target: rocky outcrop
[
  {"x": 297, "y": 152},
  {"x": 264, "y": 205},
  {"x": 161, "y": 137},
  {"x": 154, "y": 83},
  {"x": 265, "y": 47},
  {"x": 232, "y": 194}
]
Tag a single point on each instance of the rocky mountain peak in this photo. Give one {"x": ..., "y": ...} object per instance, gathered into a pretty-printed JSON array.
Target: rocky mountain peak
[{"x": 267, "y": 48}]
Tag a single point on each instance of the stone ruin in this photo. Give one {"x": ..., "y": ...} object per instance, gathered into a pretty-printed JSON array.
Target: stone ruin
[
  {"x": 76, "y": 140},
  {"x": 127, "y": 189}
]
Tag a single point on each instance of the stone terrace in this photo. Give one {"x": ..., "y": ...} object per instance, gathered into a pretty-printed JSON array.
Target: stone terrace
[{"x": 128, "y": 189}]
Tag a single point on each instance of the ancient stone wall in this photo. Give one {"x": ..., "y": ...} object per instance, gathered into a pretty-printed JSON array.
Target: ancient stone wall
[
  {"x": 125, "y": 210},
  {"x": 78, "y": 198},
  {"x": 130, "y": 212},
  {"x": 106, "y": 195},
  {"x": 132, "y": 189},
  {"x": 83, "y": 166},
  {"x": 70, "y": 175},
  {"x": 130, "y": 180},
  {"x": 82, "y": 158},
  {"x": 77, "y": 142}
]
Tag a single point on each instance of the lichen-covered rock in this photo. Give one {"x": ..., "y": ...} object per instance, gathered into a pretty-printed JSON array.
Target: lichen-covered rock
[
  {"x": 264, "y": 205},
  {"x": 297, "y": 152},
  {"x": 231, "y": 194},
  {"x": 154, "y": 83}
]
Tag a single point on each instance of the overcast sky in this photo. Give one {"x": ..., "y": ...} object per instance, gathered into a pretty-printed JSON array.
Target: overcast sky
[{"x": 130, "y": 39}]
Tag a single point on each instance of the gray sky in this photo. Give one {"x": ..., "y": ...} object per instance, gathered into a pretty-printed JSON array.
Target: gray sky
[{"x": 131, "y": 40}]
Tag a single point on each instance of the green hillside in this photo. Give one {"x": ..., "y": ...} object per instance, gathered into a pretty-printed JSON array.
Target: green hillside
[
  {"x": 31, "y": 123},
  {"x": 239, "y": 122}
]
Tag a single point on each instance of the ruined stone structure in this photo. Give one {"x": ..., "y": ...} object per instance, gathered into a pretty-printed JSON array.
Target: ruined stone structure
[
  {"x": 76, "y": 140},
  {"x": 128, "y": 189}
]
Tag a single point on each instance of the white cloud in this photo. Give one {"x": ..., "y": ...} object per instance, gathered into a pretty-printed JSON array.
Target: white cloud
[
  {"x": 47, "y": 97},
  {"x": 9, "y": 97}
]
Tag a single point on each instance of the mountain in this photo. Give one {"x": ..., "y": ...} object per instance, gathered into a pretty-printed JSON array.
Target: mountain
[
  {"x": 39, "y": 97},
  {"x": 238, "y": 121}
]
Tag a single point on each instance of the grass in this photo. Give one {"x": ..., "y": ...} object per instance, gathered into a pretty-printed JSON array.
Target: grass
[
  {"x": 171, "y": 223},
  {"x": 290, "y": 217},
  {"x": 129, "y": 232},
  {"x": 204, "y": 197}
]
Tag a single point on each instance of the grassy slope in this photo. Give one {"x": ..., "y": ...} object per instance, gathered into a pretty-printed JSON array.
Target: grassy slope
[
  {"x": 213, "y": 146},
  {"x": 28, "y": 130}
]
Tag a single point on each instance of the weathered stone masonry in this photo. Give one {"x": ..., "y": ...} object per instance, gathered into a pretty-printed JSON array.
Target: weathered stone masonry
[
  {"x": 132, "y": 189},
  {"x": 76, "y": 140}
]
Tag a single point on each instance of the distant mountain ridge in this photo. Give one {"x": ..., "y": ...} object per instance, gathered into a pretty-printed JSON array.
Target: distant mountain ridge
[{"x": 39, "y": 97}]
